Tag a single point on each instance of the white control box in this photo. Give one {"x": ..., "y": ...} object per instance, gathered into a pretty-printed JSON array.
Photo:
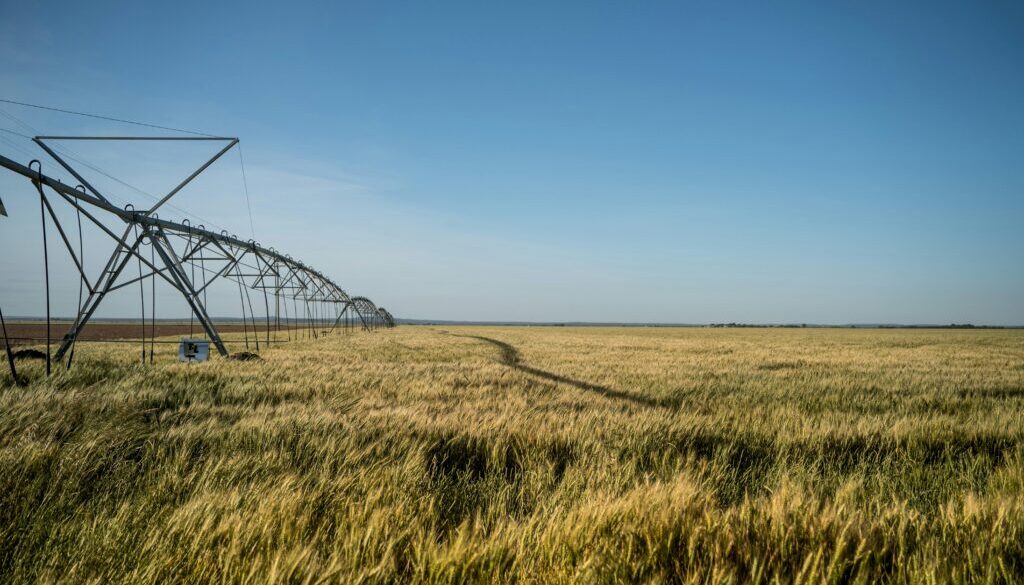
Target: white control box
[{"x": 194, "y": 350}]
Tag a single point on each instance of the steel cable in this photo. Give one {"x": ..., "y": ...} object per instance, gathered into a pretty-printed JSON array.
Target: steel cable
[
  {"x": 46, "y": 255},
  {"x": 142, "y": 291},
  {"x": 241, "y": 301},
  {"x": 252, "y": 314},
  {"x": 266, "y": 306},
  {"x": 192, "y": 265},
  {"x": 152, "y": 298},
  {"x": 81, "y": 277},
  {"x": 295, "y": 312},
  {"x": 99, "y": 117}
]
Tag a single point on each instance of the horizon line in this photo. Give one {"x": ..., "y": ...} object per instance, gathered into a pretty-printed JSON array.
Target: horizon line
[{"x": 712, "y": 324}]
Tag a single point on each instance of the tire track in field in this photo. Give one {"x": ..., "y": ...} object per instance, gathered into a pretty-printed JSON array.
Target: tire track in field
[{"x": 510, "y": 357}]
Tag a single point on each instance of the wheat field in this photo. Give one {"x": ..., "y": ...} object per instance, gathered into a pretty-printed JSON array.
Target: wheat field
[{"x": 525, "y": 454}]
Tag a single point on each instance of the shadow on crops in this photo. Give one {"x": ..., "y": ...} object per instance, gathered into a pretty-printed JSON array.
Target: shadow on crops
[
  {"x": 749, "y": 463},
  {"x": 468, "y": 475},
  {"x": 465, "y": 457},
  {"x": 1001, "y": 393},
  {"x": 510, "y": 357}
]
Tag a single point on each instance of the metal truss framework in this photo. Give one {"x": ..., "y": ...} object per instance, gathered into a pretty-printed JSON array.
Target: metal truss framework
[{"x": 191, "y": 258}]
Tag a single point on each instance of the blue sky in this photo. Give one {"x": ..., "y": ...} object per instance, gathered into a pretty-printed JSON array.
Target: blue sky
[{"x": 792, "y": 162}]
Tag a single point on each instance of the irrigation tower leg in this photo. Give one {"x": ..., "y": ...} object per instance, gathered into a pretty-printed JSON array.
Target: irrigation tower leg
[
  {"x": 341, "y": 316},
  {"x": 7, "y": 349},
  {"x": 186, "y": 289},
  {"x": 111, "y": 271}
]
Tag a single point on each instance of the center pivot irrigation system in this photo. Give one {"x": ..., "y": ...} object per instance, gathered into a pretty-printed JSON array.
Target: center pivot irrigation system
[{"x": 188, "y": 257}]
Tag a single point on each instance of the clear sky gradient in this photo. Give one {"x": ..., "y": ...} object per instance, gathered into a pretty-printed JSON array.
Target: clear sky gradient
[{"x": 572, "y": 161}]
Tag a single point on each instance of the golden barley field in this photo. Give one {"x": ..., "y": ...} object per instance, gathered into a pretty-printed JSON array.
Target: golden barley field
[{"x": 525, "y": 454}]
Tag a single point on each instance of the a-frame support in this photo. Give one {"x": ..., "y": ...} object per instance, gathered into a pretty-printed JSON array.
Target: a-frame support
[{"x": 115, "y": 265}]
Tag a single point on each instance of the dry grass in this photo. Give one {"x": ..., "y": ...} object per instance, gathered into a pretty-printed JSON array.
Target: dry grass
[{"x": 526, "y": 454}]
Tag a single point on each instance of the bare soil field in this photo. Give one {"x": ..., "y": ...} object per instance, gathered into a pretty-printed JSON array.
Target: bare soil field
[{"x": 32, "y": 332}]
